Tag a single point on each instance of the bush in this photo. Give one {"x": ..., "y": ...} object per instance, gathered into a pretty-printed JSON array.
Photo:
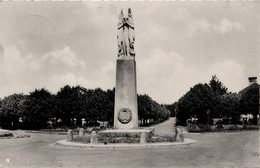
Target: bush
[
  {"x": 205, "y": 128},
  {"x": 84, "y": 126},
  {"x": 198, "y": 127},
  {"x": 124, "y": 138},
  {"x": 193, "y": 128},
  {"x": 6, "y": 134},
  {"x": 233, "y": 127},
  {"x": 102, "y": 128},
  {"x": 84, "y": 139},
  {"x": 220, "y": 126},
  {"x": 156, "y": 138},
  {"x": 119, "y": 137}
]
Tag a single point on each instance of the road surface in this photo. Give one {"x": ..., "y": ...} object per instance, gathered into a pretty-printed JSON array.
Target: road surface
[{"x": 212, "y": 150}]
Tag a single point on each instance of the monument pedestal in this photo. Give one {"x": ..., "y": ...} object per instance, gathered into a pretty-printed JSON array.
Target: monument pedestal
[
  {"x": 125, "y": 114},
  {"x": 126, "y": 136}
]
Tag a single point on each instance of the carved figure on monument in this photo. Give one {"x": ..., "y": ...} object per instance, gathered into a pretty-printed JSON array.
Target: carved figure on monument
[
  {"x": 131, "y": 32},
  {"x": 120, "y": 37},
  {"x": 125, "y": 34}
]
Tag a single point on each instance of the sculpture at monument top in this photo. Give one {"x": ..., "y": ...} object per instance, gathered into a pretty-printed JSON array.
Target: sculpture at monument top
[{"x": 126, "y": 35}]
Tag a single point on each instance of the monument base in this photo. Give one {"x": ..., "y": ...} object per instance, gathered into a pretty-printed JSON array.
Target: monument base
[{"x": 125, "y": 135}]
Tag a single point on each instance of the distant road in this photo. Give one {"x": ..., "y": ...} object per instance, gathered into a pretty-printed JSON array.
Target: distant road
[{"x": 165, "y": 128}]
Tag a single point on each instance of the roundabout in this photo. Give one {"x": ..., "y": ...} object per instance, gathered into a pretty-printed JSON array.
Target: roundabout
[
  {"x": 210, "y": 150},
  {"x": 126, "y": 145}
]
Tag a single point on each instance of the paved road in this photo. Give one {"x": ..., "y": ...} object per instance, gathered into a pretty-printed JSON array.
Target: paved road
[
  {"x": 165, "y": 128},
  {"x": 212, "y": 150}
]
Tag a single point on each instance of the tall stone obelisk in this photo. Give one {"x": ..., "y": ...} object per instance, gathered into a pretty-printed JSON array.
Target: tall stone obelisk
[{"x": 126, "y": 113}]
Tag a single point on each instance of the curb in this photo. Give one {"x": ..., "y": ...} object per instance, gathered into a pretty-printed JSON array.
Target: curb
[{"x": 123, "y": 145}]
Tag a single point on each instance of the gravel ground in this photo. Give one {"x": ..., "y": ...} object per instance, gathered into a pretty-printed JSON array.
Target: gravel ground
[{"x": 239, "y": 149}]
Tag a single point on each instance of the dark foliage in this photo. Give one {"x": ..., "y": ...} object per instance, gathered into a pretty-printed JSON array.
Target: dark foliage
[
  {"x": 150, "y": 111},
  {"x": 37, "y": 109},
  {"x": 205, "y": 102},
  {"x": 10, "y": 111},
  {"x": 41, "y": 109},
  {"x": 172, "y": 108},
  {"x": 195, "y": 103},
  {"x": 249, "y": 101},
  {"x": 217, "y": 86}
]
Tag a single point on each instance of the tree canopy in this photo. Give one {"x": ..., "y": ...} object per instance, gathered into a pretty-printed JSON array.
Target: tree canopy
[
  {"x": 220, "y": 103},
  {"x": 150, "y": 110},
  {"x": 72, "y": 104},
  {"x": 37, "y": 108},
  {"x": 249, "y": 101},
  {"x": 217, "y": 86},
  {"x": 10, "y": 110},
  {"x": 69, "y": 106},
  {"x": 195, "y": 103}
]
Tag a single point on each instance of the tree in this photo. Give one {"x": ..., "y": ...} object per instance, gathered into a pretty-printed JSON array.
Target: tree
[
  {"x": 219, "y": 90},
  {"x": 97, "y": 105},
  {"x": 144, "y": 107},
  {"x": 110, "y": 105},
  {"x": 149, "y": 109},
  {"x": 217, "y": 86},
  {"x": 195, "y": 103},
  {"x": 162, "y": 112},
  {"x": 90, "y": 104},
  {"x": 229, "y": 107},
  {"x": 172, "y": 108},
  {"x": 10, "y": 110},
  {"x": 249, "y": 101},
  {"x": 71, "y": 103},
  {"x": 37, "y": 109}
]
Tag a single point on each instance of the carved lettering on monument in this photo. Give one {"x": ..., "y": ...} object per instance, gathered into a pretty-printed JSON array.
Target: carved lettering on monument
[
  {"x": 125, "y": 115},
  {"x": 126, "y": 35}
]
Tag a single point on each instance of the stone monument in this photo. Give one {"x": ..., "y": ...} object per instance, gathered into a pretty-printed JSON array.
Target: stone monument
[
  {"x": 125, "y": 111},
  {"x": 126, "y": 128}
]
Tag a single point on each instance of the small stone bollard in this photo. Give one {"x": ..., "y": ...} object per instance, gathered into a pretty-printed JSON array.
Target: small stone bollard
[
  {"x": 143, "y": 138},
  {"x": 69, "y": 135},
  {"x": 93, "y": 137},
  {"x": 180, "y": 137},
  {"x": 81, "y": 132},
  {"x": 176, "y": 133}
]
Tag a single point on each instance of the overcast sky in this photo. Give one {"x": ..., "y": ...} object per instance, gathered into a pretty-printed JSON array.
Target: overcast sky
[{"x": 178, "y": 44}]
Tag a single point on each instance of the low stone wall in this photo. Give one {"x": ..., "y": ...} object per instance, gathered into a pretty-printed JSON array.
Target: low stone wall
[
  {"x": 115, "y": 137},
  {"x": 137, "y": 136}
]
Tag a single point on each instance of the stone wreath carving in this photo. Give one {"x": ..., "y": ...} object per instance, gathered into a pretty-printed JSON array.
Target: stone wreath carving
[{"x": 124, "y": 115}]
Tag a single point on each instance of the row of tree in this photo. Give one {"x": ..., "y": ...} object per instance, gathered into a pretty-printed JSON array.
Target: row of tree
[
  {"x": 150, "y": 111},
  {"x": 213, "y": 100},
  {"x": 68, "y": 107}
]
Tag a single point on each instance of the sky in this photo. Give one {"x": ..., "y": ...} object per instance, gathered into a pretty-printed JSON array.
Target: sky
[{"x": 178, "y": 44}]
